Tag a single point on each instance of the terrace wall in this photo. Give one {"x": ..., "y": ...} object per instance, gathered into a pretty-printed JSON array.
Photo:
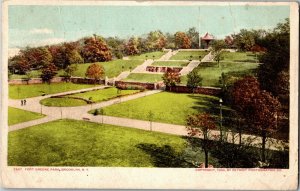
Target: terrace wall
[
  {"x": 162, "y": 69},
  {"x": 77, "y": 80},
  {"x": 34, "y": 81}
]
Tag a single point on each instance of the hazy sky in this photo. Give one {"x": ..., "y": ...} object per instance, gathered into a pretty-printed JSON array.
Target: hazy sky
[{"x": 40, "y": 25}]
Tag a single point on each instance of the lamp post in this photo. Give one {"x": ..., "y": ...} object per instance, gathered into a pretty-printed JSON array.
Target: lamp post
[
  {"x": 60, "y": 111},
  {"x": 221, "y": 133}
]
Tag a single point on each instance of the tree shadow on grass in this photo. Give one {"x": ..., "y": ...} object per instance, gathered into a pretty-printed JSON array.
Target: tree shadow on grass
[
  {"x": 230, "y": 155},
  {"x": 164, "y": 156}
]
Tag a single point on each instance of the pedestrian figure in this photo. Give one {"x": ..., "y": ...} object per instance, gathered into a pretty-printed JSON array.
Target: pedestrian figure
[
  {"x": 21, "y": 102},
  {"x": 24, "y": 101}
]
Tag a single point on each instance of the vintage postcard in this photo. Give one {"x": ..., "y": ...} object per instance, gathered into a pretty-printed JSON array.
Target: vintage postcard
[{"x": 149, "y": 95}]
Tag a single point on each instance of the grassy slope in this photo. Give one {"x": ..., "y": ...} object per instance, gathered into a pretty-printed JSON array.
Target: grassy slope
[
  {"x": 185, "y": 55},
  {"x": 239, "y": 57},
  {"x": 97, "y": 96},
  {"x": 169, "y": 63},
  {"x": 211, "y": 74},
  {"x": 139, "y": 77},
  {"x": 79, "y": 143},
  {"x": 167, "y": 107},
  {"x": 150, "y": 55},
  {"x": 26, "y": 91},
  {"x": 34, "y": 74},
  {"x": 112, "y": 68},
  {"x": 16, "y": 116}
]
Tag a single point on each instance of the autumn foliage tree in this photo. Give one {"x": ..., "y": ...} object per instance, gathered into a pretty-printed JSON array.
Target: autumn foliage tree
[
  {"x": 19, "y": 64},
  {"x": 156, "y": 41},
  {"x": 48, "y": 72},
  {"x": 201, "y": 125},
  {"x": 259, "y": 108},
  {"x": 171, "y": 78},
  {"x": 132, "y": 46},
  {"x": 182, "y": 40},
  {"x": 95, "y": 71},
  {"x": 38, "y": 57},
  {"x": 96, "y": 50}
]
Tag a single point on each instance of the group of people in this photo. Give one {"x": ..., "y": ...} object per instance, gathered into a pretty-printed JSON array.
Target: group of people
[{"x": 23, "y": 102}]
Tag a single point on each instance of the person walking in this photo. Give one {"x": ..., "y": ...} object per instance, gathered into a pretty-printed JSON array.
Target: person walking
[
  {"x": 21, "y": 102},
  {"x": 24, "y": 101}
]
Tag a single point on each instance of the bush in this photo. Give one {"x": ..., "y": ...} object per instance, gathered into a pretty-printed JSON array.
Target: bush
[
  {"x": 130, "y": 87},
  {"x": 96, "y": 112}
]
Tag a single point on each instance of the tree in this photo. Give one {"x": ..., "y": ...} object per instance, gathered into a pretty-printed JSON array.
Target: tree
[
  {"x": 48, "y": 72},
  {"x": 182, "y": 40},
  {"x": 273, "y": 73},
  {"x": 131, "y": 47},
  {"x": 170, "y": 41},
  {"x": 193, "y": 35},
  {"x": 194, "y": 80},
  {"x": 171, "y": 78},
  {"x": 96, "y": 50},
  {"x": 156, "y": 40},
  {"x": 28, "y": 77},
  {"x": 217, "y": 47},
  {"x": 66, "y": 54},
  {"x": 259, "y": 108},
  {"x": 19, "y": 64},
  {"x": 37, "y": 57},
  {"x": 116, "y": 45},
  {"x": 69, "y": 71},
  {"x": 244, "y": 40},
  {"x": 201, "y": 125},
  {"x": 95, "y": 71}
]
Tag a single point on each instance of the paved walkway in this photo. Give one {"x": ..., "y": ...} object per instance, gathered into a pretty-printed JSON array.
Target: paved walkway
[
  {"x": 208, "y": 58},
  {"x": 166, "y": 56},
  {"x": 81, "y": 113},
  {"x": 123, "y": 75},
  {"x": 78, "y": 112},
  {"x": 272, "y": 144},
  {"x": 187, "y": 69},
  {"x": 142, "y": 67}
]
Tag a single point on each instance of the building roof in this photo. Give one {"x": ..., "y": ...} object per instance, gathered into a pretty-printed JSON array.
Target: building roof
[{"x": 207, "y": 37}]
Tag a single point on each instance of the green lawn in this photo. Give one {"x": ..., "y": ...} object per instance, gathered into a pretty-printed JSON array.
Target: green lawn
[
  {"x": 211, "y": 73},
  {"x": 97, "y": 96},
  {"x": 150, "y": 55},
  {"x": 16, "y": 116},
  {"x": 170, "y": 63},
  {"x": 62, "y": 102},
  {"x": 186, "y": 55},
  {"x": 239, "y": 57},
  {"x": 112, "y": 68},
  {"x": 33, "y": 90},
  {"x": 140, "y": 77},
  {"x": 167, "y": 107},
  {"x": 34, "y": 74},
  {"x": 80, "y": 143}
]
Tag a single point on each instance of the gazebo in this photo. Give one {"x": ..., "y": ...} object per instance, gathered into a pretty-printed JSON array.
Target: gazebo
[{"x": 207, "y": 38}]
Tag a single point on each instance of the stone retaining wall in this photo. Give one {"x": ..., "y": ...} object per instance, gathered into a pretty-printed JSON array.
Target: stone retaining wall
[
  {"x": 77, "y": 80},
  {"x": 162, "y": 69}
]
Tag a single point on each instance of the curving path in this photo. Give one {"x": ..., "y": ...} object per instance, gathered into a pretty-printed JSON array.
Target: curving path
[{"x": 81, "y": 113}]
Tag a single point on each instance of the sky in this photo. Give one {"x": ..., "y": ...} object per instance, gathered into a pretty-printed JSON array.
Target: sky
[{"x": 34, "y": 25}]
